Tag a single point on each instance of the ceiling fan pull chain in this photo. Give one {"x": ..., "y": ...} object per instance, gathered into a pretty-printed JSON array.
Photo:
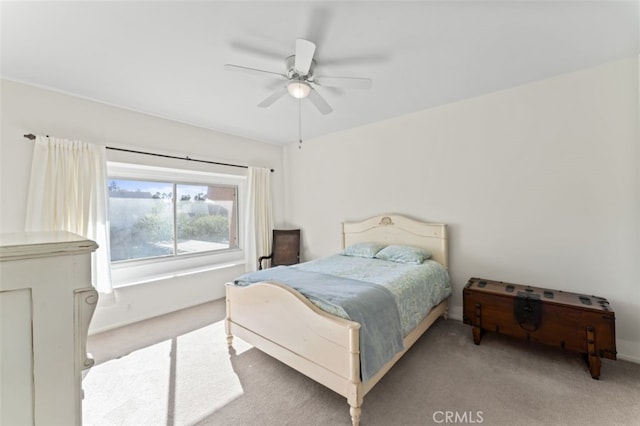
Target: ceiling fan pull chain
[{"x": 299, "y": 123}]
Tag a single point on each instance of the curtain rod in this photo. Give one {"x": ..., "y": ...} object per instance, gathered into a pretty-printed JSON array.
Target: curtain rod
[{"x": 31, "y": 136}]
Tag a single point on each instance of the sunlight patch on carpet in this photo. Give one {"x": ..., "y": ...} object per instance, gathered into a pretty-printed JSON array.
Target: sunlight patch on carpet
[{"x": 178, "y": 381}]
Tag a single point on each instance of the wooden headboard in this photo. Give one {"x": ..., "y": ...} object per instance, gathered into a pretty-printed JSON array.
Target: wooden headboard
[{"x": 397, "y": 229}]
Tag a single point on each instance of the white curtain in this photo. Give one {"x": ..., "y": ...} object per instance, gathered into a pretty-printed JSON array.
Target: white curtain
[
  {"x": 68, "y": 192},
  {"x": 259, "y": 218}
]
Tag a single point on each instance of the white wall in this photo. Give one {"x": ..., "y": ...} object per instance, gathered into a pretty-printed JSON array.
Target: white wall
[
  {"x": 28, "y": 109},
  {"x": 538, "y": 183}
]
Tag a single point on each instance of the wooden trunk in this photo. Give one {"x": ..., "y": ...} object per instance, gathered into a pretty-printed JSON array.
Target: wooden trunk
[{"x": 572, "y": 321}]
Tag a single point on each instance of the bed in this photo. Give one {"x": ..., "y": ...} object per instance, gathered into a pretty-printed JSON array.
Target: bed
[{"x": 280, "y": 321}]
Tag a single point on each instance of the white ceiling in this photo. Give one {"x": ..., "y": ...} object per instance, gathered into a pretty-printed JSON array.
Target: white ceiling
[{"x": 166, "y": 58}]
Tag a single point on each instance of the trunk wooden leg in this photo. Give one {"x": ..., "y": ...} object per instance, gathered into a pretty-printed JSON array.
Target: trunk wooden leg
[
  {"x": 477, "y": 335},
  {"x": 594, "y": 366},
  {"x": 592, "y": 356}
]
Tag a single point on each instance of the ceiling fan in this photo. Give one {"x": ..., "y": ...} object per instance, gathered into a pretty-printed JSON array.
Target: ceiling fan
[{"x": 300, "y": 80}]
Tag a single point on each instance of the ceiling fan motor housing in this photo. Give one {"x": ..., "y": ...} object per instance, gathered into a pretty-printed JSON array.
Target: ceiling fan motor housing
[{"x": 293, "y": 74}]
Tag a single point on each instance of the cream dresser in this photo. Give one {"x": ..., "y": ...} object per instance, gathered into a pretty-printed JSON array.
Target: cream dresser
[{"x": 46, "y": 305}]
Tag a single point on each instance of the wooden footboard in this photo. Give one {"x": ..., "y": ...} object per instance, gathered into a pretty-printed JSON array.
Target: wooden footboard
[{"x": 282, "y": 323}]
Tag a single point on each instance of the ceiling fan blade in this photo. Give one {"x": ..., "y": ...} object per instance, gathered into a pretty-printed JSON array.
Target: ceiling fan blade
[
  {"x": 319, "y": 102},
  {"x": 273, "y": 97},
  {"x": 304, "y": 55},
  {"x": 346, "y": 82},
  {"x": 254, "y": 71}
]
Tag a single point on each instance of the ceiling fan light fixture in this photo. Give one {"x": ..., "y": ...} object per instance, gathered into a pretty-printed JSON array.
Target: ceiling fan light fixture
[{"x": 298, "y": 89}]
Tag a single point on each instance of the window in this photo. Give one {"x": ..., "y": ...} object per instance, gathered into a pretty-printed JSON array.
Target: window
[
  {"x": 166, "y": 221},
  {"x": 151, "y": 219}
]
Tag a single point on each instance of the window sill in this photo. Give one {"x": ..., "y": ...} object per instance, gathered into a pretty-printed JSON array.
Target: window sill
[{"x": 177, "y": 274}]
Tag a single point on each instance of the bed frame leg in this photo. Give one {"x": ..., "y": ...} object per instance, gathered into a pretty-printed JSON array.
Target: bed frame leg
[
  {"x": 355, "y": 402},
  {"x": 227, "y": 329},
  {"x": 355, "y": 415}
]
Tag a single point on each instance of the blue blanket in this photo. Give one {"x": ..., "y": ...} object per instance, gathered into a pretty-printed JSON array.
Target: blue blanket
[{"x": 371, "y": 305}]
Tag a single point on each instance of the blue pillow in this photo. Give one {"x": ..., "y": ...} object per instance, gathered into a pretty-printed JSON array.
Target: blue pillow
[
  {"x": 403, "y": 254},
  {"x": 363, "y": 249}
]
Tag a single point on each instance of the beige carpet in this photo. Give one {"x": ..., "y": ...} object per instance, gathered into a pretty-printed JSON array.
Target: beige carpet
[{"x": 176, "y": 370}]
